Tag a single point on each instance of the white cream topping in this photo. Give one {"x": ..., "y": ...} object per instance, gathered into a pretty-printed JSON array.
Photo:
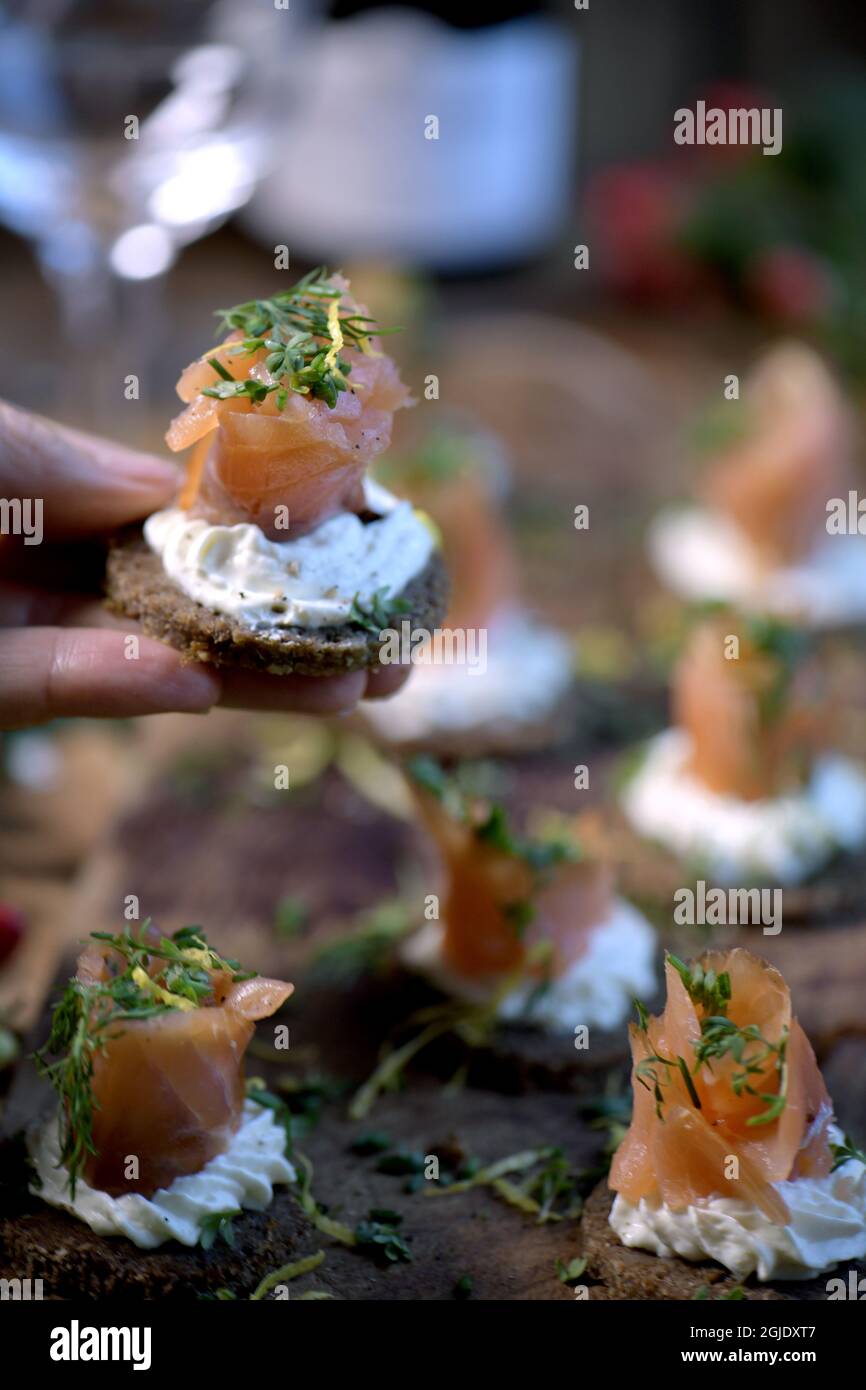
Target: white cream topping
[
  {"x": 308, "y": 582},
  {"x": 597, "y": 990},
  {"x": 827, "y": 1223},
  {"x": 528, "y": 670},
  {"x": 242, "y": 1176},
  {"x": 702, "y": 555},
  {"x": 788, "y": 837}
]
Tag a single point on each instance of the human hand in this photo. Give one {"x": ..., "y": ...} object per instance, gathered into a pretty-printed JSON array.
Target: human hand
[{"x": 61, "y": 653}]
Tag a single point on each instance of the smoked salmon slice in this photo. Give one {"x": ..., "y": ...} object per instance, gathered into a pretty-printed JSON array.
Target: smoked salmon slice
[
  {"x": 509, "y": 905},
  {"x": 795, "y": 454},
  {"x": 728, "y": 1097},
  {"x": 288, "y": 412},
  {"x": 149, "y": 1040},
  {"x": 753, "y": 717}
]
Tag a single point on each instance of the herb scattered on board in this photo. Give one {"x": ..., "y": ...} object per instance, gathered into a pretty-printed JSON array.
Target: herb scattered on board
[
  {"x": 303, "y": 334},
  {"x": 401, "y": 1163},
  {"x": 471, "y": 1023},
  {"x": 463, "y": 1288},
  {"x": 570, "y": 1273},
  {"x": 150, "y": 979},
  {"x": 374, "y": 1142},
  {"x": 730, "y": 1295},
  {"x": 548, "y": 1190},
  {"x": 284, "y": 1275},
  {"x": 380, "y": 1240}
]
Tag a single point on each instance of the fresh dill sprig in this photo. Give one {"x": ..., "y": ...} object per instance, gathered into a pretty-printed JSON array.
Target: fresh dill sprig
[
  {"x": 303, "y": 333},
  {"x": 174, "y": 973}
]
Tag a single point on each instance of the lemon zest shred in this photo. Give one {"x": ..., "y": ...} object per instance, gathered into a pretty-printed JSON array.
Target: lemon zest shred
[{"x": 173, "y": 1001}]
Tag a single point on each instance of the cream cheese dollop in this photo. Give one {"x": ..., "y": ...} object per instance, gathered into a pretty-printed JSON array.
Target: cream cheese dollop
[
  {"x": 788, "y": 837},
  {"x": 827, "y": 1224},
  {"x": 597, "y": 990},
  {"x": 701, "y": 555},
  {"x": 308, "y": 582},
  {"x": 527, "y": 672},
  {"x": 243, "y": 1175}
]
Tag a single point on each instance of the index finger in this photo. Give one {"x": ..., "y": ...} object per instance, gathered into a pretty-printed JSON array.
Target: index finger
[{"x": 82, "y": 484}]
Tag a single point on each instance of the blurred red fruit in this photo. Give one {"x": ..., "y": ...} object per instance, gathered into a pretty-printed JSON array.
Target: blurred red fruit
[
  {"x": 636, "y": 212},
  {"x": 731, "y": 96},
  {"x": 791, "y": 284},
  {"x": 12, "y": 927}
]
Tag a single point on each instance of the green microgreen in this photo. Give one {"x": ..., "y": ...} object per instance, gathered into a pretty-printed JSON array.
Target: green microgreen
[{"x": 302, "y": 332}]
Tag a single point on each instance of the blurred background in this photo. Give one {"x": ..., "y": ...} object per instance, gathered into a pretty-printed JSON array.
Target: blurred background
[{"x": 155, "y": 156}]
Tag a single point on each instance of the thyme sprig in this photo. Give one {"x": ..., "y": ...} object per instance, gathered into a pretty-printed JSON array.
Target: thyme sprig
[
  {"x": 844, "y": 1152},
  {"x": 303, "y": 333},
  {"x": 147, "y": 980},
  {"x": 377, "y": 615}
]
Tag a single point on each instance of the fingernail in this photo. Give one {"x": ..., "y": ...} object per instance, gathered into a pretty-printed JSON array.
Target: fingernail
[{"x": 190, "y": 690}]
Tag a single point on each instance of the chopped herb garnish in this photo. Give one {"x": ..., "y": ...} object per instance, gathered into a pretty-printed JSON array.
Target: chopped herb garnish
[
  {"x": 751, "y": 1051},
  {"x": 519, "y": 915},
  {"x": 379, "y": 613},
  {"x": 844, "y": 1152},
  {"x": 463, "y": 1288},
  {"x": 720, "y": 1038},
  {"x": 216, "y": 1225},
  {"x": 711, "y": 991},
  {"x": 150, "y": 978},
  {"x": 302, "y": 333},
  {"x": 489, "y": 823}
]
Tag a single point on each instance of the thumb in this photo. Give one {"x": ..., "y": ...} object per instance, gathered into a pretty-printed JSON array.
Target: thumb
[{"x": 84, "y": 484}]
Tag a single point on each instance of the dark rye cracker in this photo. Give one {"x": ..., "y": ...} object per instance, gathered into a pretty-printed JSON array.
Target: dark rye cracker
[
  {"x": 627, "y": 1274},
  {"x": 138, "y": 587}
]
